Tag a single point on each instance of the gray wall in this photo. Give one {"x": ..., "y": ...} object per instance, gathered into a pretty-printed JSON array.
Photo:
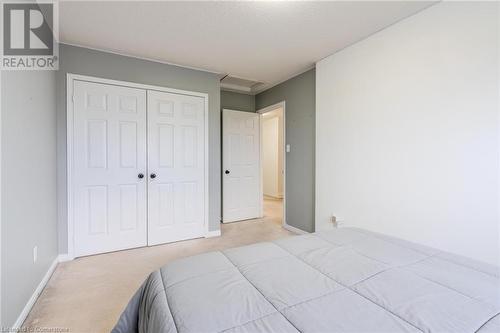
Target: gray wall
[
  {"x": 29, "y": 202},
  {"x": 236, "y": 101},
  {"x": 299, "y": 95},
  {"x": 77, "y": 60}
]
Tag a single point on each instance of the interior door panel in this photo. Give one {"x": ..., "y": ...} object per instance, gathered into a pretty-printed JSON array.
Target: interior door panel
[
  {"x": 240, "y": 165},
  {"x": 176, "y": 157},
  {"x": 109, "y": 153},
  {"x": 138, "y": 167}
]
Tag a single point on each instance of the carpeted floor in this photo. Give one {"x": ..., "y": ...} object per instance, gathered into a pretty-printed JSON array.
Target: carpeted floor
[{"x": 88, "y": 294}]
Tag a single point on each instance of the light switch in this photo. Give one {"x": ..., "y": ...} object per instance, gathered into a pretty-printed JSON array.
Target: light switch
[{"x": 287, "y": 148}]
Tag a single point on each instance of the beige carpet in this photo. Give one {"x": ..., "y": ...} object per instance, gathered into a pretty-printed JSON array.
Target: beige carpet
[{"x": 88, "y": 294}]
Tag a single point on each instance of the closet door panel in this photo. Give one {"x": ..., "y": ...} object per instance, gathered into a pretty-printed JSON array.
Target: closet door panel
[
  {"x": 176, "y": 167},
  {"x": 109, "y": 152}
]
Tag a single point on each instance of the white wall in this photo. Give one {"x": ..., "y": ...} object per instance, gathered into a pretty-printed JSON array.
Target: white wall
[
  {"x": 270, "y": 156},
  {"x": 272, "y": 153},
  {"x": 408, "y": 131}
]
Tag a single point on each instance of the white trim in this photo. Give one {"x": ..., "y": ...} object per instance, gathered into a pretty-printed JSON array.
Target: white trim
[
  {"x": 206, "y": 153},
  {"x": 70, "y": 78},
  {"x": 261, "y": 167},
  {"x": 270, "y": 108},
  {"x": 236, "y": 88},
  {"x": 1, "y": 111},
  {"x": 1, "y": 195},
  {"x": 233, "y": 89},
  {"x": 498, "y": 124},
  {"x": 213, "y": 233},
  {"x": 276, "y": 196},
  {"x": 141, "y": 58},
  {"x": 27, "y": 308},
  {"x": 237, "y": 91},
  {"x": 64, "y": 257},
  {"x": 294, "y": 230},
  {"x": 69, "y": 164}
]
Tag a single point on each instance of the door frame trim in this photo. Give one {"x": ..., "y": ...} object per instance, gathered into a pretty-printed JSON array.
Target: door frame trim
[
  {"x": 270, "y": 108},
  {"x": 70, "y": 79}
]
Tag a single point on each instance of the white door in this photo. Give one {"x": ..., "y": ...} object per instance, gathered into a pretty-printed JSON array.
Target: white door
[
  {"x": 240, "y": 166},
  {"x": 109, "y": 155},
  {"x": 176, "y": 195}
]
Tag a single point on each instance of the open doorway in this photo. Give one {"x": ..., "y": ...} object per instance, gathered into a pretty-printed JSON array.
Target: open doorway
[
  {"x": 254, "y": 166},
  {"x": 272, "y": 131}
]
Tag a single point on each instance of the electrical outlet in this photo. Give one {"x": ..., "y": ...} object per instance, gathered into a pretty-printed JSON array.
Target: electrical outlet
[
  {"x": 35, "y": 254},
  {"x": 333, "y": 220},
  {"x": 336, "y": 221}
]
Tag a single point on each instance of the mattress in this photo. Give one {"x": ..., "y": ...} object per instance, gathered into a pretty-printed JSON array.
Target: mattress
[{"x": 343, "y": 280}]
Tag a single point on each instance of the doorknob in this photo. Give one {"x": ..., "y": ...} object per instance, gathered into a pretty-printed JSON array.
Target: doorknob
[
  {"x": 140, "y": 176},
  {"x": 227, "y": 172},
  {"x": 153, "y": 176}
]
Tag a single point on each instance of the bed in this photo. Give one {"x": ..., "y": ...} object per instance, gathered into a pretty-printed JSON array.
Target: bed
[{"x": 343, "y": 280}]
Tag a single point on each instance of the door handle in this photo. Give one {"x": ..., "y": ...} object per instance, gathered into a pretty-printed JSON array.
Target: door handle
[
  {"x": 227, "y": 172},
  {"x": 140, "y": 176},
  {"x": 152, "y": 176}
]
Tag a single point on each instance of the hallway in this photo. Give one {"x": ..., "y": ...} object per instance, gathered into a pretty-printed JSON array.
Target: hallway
[{"x": 273, "y": 210}]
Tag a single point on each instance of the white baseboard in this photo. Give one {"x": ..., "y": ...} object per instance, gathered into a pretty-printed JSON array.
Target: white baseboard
[
  {"x": 64, "y": 257},
  {"x": 215, "y": 233},
  {"x": 27, "y": 308},
  {"x": 275, "y": 196},
  {"x": 294, "y": 230}
]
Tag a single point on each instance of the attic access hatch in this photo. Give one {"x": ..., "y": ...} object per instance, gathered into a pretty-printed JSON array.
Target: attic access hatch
[{"x": 236, "y": 84}]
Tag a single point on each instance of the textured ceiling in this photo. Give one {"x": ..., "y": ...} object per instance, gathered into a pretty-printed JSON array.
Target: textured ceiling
[{"x": 266, "y": 42}]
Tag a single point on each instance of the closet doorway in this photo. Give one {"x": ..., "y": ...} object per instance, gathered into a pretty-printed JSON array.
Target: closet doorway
[{"x": 137, "y": 165}]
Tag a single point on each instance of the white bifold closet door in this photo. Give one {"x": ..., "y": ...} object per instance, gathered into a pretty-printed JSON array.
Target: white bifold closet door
[
  {"x": 109, "y": 149},
  {"x": 138, "y": 167},
  {"x": 176, "y": 159}
]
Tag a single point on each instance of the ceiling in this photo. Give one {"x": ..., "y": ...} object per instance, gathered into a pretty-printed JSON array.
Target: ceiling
[{"x": 263, "y": 43}]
